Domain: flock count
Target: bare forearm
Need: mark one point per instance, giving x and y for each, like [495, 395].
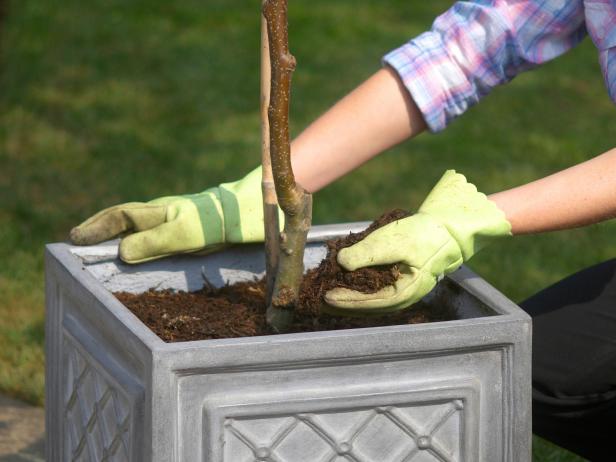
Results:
[578, 196]
[372, 118]
[380, 114]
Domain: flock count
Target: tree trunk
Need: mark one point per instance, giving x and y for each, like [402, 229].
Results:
[270, 201]
[294, 201]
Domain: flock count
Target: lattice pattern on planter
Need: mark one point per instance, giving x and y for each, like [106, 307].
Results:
[415, 433]
[97, 414]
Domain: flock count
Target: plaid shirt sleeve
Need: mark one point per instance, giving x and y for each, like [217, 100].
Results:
[477, 45]
[601, 25]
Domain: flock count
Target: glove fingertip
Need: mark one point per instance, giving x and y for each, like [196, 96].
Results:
[349, 259]
[130, 253]
[342, 297]
[76, 236]
[333, 297]
[83, 235]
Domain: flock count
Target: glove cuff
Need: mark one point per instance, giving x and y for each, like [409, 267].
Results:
[470, 217]
[242, 206]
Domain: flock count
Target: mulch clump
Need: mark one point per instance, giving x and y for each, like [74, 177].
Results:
[238, 310]
[329, 274]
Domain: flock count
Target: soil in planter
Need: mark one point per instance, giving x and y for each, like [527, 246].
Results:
[239, 310]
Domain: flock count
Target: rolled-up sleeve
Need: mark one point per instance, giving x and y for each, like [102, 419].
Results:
[478, 45]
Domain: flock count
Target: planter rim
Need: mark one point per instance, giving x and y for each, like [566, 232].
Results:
[74, 259]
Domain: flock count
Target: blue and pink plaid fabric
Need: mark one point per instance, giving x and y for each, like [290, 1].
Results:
[477, 45]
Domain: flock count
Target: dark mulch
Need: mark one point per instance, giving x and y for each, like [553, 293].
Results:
[239, 310]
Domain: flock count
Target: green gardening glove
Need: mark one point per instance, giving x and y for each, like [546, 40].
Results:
[452, 224]
[229, 213]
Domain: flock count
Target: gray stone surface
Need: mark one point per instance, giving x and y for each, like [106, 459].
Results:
[449, 391]
[22, 431]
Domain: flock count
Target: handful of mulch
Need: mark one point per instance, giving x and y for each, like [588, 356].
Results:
[329, 274]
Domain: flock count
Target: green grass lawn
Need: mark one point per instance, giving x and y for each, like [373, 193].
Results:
[107, 101]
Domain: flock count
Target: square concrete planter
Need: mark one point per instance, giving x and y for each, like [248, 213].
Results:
[447, 391]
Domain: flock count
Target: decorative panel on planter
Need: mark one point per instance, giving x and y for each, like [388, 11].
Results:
[97, 412]
[447, 391]
[384, 433]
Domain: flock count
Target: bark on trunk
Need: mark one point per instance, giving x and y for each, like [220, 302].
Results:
[270, 201]
[294, 201]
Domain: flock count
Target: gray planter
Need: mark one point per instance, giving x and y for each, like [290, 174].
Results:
[447, 391]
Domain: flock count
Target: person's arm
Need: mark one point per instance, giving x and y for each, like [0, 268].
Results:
[470, 49]
[372, 118]
[578, 196]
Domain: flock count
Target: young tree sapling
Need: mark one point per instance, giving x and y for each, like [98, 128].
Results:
[294, 201]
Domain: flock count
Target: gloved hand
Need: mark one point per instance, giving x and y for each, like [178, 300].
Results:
[229, 213]
[452, 224]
